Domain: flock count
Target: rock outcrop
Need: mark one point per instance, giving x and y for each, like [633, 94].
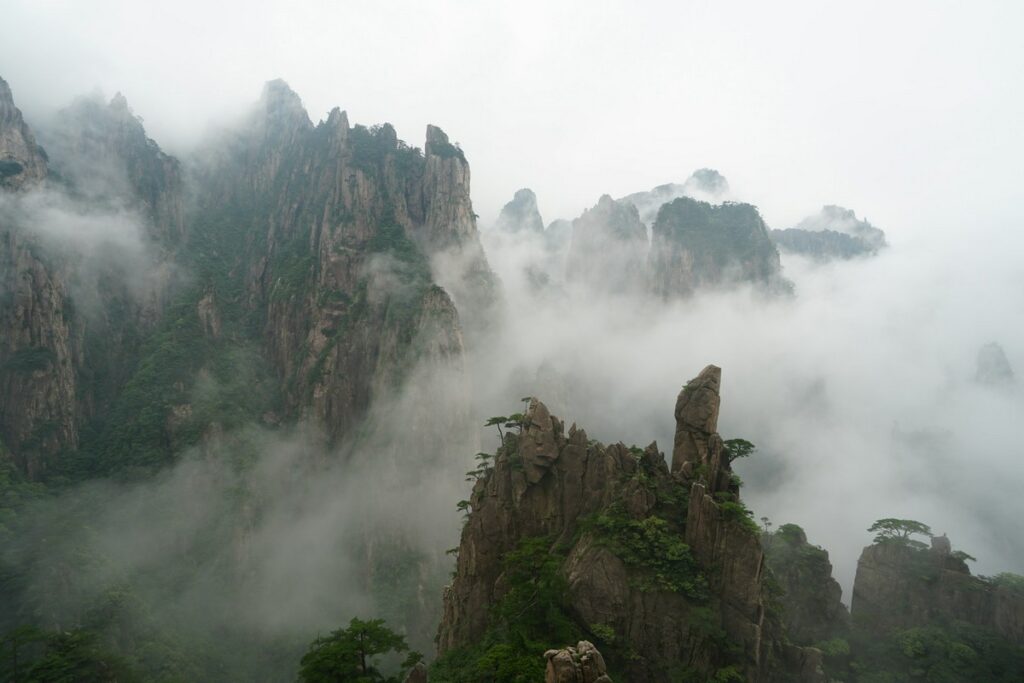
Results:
[101, 149]
[345, 222]
[898, 586]
[608, 249]
[22, 161]
[521, 214]
[580, 664]
[992, 366]
[812, 610]
[75, 316]
[833, 233]
[705, 184]
[668, 559]
[696, 245]
[41, 344]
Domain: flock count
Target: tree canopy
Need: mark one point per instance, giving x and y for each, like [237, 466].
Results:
[892, 530]
[352, 655]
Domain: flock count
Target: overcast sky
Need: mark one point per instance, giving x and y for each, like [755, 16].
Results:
[896, 110]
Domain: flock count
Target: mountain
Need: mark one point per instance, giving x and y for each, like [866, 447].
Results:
[567, 537]
[22, 161]
[992, 367]
[696, 245]
[704, 184]
[832, 233]
[810, 598]
[608, 248]
[306, 253]
[900, 586]
[521, 214]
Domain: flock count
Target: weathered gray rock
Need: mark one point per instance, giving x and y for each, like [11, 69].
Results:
[546, 480]
[899, 587]
[697, 420]
[812, 610]
[22, 161]
[580, 664]
[418, 674]
[696, 245]
[609, 248]
[521, 214]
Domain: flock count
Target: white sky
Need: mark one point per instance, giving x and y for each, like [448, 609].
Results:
[894, 109]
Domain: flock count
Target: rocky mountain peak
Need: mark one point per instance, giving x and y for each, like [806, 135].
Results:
[22, 161]
[281, 107]
[584, 506]
[521, 214]
[609, 246]
[992, 366]
[706, 181]
[696, 415]
[697, 245]
[119, 102]
[832, 233]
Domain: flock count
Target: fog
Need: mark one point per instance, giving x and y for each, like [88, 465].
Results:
[859, 390]
[884, 108]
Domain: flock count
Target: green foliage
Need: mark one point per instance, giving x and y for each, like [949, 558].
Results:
[531, 618]
[738, 513]
[653, 548]
[958, 653]
[9, 167]
[353, 654]
[28, 360]
[28, 654]
[1009, 581]
[446, 150]
[900, 531]
[738, 448]
[835, 647]
[724, 233]
[963, 557]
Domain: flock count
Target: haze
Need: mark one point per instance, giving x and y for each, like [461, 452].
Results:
[859, 390]
[896, 109]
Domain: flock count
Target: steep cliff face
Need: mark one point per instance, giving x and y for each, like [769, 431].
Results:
[40, 348]
[705, 184]
[22, 161]
[900, 587]
[697, 245]
[609, 248]
[75, 300]
[103, 151]
[811, 606]
[832, 233]
[664, 568]
[337, 226]
[521, 214]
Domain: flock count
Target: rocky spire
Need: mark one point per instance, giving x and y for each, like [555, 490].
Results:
[281, 107]
[993, 367]
[697, 442]
[521, 214]
[22, 161]
[546, 480]
[608, 248]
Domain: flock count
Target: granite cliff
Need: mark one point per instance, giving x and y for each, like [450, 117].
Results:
[662, 566]
[696, 245]
[832, 233]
